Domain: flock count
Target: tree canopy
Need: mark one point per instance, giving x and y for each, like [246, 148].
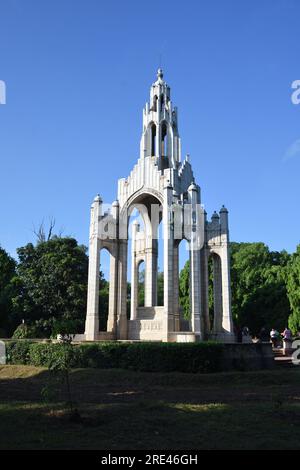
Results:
[293, 290]
[7, 290]
[49, 281]
[258, 286]
[52, 280]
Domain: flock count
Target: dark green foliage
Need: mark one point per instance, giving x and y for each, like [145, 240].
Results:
[103, 302]
[52, 281]
[258, 285]
[54, 356]
[168, 357]
[293, 290]
[25, 331]
[141, 288]
[64, 326]
[48, 289]
[7, 290]
[17, 352]
[211, 291]
[106, 355]
[184, 290]
[160, 288]
[152, 357]
[47, 328]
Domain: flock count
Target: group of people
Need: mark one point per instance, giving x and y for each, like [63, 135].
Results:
[275, 337]
[243, 335]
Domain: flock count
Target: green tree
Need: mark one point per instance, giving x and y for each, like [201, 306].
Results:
[52, 281]
[293, 290]
[184, 290]
[160, 288]
[7, 290]
[258, 286]
[103, 302]
[141, 288]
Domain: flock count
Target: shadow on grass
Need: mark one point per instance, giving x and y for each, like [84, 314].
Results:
[133, 410]
[25, 383]
[151, 424]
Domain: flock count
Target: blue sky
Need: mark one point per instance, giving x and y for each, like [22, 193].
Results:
[78, 75]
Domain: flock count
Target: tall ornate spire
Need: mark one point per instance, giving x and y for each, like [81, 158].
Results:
[160, 138]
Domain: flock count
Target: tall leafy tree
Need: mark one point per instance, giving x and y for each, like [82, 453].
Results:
[184, 290]
[293, 290]
[259, 296]
[141, 288]
[7, 290]
[52, 280]
[258, 286]
[103, 302]
[160, 288]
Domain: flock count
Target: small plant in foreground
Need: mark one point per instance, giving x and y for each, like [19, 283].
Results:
[60, 366]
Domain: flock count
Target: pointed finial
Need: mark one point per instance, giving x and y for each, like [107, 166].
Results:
[98, 198]
[160, 74]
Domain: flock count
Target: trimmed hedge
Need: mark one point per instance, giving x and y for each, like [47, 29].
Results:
[150, 357]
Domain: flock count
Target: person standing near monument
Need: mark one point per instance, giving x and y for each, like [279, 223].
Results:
[274, 335]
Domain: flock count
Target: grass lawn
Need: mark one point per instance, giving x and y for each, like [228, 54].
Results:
[134, 410]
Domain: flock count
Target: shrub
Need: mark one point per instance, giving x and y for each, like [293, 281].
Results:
[150, 357]
[17, 352]
[106, 355]
[25, 331]
[50, 355]
[168, 357]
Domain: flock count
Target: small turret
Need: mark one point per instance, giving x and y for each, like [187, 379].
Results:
[98, 199]
[224, 219]
[215, 217]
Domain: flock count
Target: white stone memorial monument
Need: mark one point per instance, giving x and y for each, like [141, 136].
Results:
[162, 188]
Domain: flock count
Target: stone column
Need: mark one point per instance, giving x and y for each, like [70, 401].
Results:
[113, 273]
[217, 327]
[122, 290]
[176, 287]
[168, 323]
[195, 268]
[227, 322]
[195, 294]
[134, 272]
[204, 292]
[151, 272]
[113, 284]
[92, 315]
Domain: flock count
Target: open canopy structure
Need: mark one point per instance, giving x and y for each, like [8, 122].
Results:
[162, 188]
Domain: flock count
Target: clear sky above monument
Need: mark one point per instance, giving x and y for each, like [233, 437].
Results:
[77, 76]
